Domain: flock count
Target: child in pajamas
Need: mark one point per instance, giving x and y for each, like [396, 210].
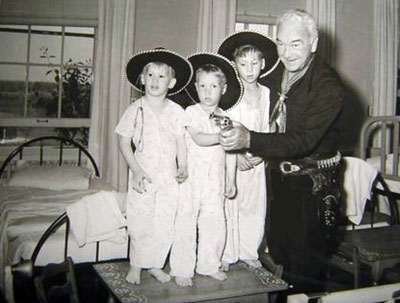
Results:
[253, 55]
[211, 171]
[158, 163]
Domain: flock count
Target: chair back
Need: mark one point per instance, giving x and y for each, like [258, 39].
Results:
[57, 283]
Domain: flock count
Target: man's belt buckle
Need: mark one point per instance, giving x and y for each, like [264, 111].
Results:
[287, 167]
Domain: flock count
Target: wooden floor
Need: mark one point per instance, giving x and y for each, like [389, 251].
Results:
[244, 284]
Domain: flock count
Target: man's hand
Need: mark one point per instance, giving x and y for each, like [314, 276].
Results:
[138, 181]
[236, 138]
[181, 175]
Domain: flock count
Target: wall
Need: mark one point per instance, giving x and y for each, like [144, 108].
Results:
[171, 24]
[354, 53]
[270, 8]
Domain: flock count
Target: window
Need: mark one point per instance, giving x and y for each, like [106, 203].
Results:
[262, 24]
[45, 81]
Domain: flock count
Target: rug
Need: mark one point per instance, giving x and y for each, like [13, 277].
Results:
[243, 282]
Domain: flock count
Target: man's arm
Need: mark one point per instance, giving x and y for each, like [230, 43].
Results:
[303, 137]
[317, 109]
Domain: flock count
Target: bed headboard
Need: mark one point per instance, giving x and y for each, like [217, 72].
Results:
[380, 138]
[60, 151]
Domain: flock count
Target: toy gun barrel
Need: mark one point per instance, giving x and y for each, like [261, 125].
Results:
[223, 122]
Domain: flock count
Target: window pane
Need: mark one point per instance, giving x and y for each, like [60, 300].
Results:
[12, 91]
[46, 47]
[77, 82]
[13, 46]
[78, 49]
[239, 26]
[266, 29]
[80, 135]
[42, 92]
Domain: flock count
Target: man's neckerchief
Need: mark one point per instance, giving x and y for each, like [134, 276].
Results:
[277, 121]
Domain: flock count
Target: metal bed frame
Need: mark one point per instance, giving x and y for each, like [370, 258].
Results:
[17, 153]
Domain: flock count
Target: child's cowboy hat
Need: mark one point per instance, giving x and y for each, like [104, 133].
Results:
[234, 90]
[250, 37]
[183, 68]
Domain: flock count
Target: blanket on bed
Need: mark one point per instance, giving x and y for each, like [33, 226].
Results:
[98, 217]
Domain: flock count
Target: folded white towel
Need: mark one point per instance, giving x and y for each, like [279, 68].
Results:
[98, 217]
[358, 180]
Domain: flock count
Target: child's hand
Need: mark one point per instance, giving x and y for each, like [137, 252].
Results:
[181, 175]
[254, 160]
[243, 162]
[230, 190]
[138, 181]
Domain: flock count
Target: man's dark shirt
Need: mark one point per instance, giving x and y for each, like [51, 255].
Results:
[313, 106]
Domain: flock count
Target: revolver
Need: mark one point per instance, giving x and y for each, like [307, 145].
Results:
[223, 122]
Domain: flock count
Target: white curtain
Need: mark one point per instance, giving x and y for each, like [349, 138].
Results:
[111, 92]
[216, 21]
[385, 56]
[324, 12]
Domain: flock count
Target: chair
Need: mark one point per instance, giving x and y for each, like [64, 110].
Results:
[57, 283]
[375, 247]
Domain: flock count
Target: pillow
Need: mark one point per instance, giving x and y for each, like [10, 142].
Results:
[50, 177]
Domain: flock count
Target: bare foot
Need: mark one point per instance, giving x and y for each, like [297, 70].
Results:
[219, 275]
[160, 275]
[253, 263]
[224, 266]
[133, 275]
[184, 281]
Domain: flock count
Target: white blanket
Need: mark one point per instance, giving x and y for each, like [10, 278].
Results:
[98, 217]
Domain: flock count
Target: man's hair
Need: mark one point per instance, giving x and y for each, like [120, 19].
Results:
[211, 69]
[302, 16]
[243, 50]
[168, 68]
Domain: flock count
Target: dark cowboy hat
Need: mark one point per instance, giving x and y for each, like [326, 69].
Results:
[183, 68]
[266, 46]
[234, 90]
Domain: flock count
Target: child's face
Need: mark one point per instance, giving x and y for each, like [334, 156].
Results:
[249, 67]
[209, 89]
[157, 80]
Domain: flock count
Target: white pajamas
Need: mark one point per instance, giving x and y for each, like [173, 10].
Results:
[246, 212]
[206, 167]
[151, 215]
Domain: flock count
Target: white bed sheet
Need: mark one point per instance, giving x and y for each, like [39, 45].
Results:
[394, 186]
[25, 213]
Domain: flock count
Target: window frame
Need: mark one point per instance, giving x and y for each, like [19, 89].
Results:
[59, 122]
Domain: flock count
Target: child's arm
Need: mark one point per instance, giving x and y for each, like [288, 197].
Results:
[138, 174]
[255, 160]
[181, 159]
[243, 162]
[203, 139]
[230, 178]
